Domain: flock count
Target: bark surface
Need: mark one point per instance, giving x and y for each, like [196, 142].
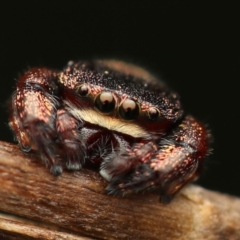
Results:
[36, 205]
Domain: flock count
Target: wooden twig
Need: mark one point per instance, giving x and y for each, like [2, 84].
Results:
[12, 227]
[75, 205]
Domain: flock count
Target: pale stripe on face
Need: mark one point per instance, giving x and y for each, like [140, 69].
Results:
[109, 122]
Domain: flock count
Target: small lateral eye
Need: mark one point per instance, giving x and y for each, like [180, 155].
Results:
[129, 110]
[105, 102]
[83, 90]
[153, 113]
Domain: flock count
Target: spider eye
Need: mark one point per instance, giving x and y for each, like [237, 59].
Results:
[83, 90]
[129, 110]
[153, 113]
[105, 102]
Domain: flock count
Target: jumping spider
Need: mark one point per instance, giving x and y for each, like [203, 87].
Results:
[112, 114]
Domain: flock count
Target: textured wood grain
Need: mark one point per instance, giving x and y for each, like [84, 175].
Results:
[12, 227]
[75, 204]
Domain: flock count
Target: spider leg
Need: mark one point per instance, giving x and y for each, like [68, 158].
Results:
[69, 136]
[120, 162]
[34, 108]
[177, 161]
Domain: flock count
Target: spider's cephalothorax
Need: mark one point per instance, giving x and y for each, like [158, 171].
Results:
[112, 114]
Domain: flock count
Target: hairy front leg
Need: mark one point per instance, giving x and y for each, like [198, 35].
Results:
[70, 140]
[33, 115]
[119, 163]
[177, 161]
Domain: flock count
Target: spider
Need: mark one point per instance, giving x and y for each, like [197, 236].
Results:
[113, 115]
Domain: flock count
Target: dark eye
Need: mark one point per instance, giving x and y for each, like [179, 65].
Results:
[129, 110]
[83, 90]
[105, 102]
[153, 113]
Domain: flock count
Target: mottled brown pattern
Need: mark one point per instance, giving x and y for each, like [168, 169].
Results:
[113, 115]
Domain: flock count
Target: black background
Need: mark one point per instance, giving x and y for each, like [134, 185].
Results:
[194, 47]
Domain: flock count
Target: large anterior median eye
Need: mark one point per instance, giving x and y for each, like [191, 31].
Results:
[105, 102]
[129, 110]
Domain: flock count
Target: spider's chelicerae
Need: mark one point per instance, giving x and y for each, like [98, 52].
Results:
[113, 115]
